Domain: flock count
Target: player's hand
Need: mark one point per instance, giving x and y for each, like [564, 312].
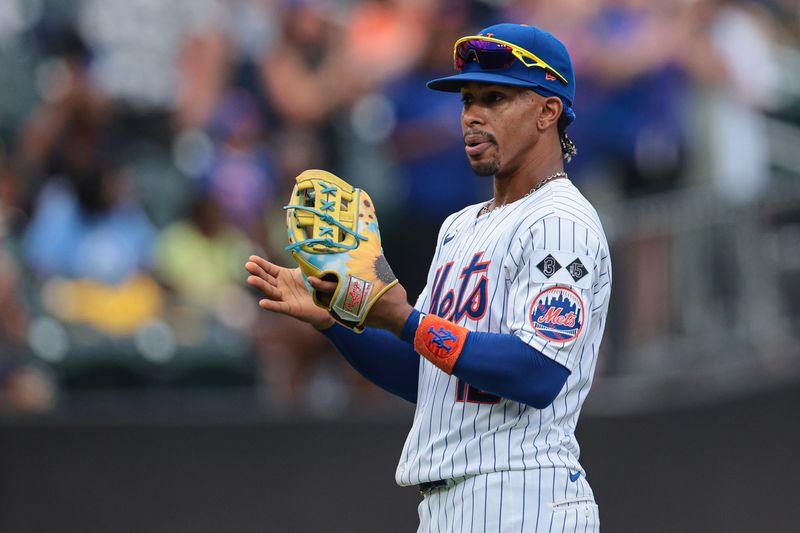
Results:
[390, 312]
[285, 292]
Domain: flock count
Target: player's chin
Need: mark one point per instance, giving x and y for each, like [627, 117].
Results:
[485, 168]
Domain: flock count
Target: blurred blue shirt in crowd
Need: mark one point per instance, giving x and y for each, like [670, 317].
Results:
[65, 239]
[436, 178]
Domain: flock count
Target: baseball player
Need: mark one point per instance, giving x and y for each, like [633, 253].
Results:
[499, 351]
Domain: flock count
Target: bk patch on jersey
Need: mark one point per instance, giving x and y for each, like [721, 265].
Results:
[557, 314]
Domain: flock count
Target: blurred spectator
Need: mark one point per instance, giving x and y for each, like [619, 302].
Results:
[242, 178]
[631, 90]
[201, 257]
[162, 66]
[383, 42]
[306, 77]
[741, 44]
[386, 39]
[156, 57]
[89, 229]
[89, 225]
[436, 179]
[66, 133]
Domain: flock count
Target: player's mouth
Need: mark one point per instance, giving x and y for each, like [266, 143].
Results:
[476, 144]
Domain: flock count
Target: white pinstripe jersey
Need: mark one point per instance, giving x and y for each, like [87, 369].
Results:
[538, 268]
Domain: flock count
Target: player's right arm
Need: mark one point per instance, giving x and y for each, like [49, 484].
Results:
[378, 355]
[381, 357]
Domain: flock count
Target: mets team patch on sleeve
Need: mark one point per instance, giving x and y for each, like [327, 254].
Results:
[557, 314]
[563, 268]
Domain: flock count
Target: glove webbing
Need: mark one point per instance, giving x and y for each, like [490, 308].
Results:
[325, 217]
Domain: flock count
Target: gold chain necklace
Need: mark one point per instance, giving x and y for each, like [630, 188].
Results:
[558, 175]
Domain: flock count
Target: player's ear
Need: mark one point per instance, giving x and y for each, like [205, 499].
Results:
[550, 111]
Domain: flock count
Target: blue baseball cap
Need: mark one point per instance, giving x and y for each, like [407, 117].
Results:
[538, 42]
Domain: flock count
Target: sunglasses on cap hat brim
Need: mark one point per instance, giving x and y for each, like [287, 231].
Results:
[496, 54]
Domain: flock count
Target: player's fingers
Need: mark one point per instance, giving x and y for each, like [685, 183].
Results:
[322, 285]
[270, 268]
[266, 288]
[256, 270]
[277, 307]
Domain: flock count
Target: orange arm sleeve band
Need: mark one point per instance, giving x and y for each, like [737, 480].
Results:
[440, 341]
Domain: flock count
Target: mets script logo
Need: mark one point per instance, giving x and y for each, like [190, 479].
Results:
[557, 314]
[454, 307]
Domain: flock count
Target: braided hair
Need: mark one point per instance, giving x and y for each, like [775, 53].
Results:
[567, 146]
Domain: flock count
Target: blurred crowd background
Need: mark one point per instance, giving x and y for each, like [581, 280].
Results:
[147, 146]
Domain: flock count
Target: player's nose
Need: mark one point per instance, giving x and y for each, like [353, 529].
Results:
[472, 116]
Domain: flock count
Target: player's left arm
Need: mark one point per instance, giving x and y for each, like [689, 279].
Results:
[498, 363]
[558, 295]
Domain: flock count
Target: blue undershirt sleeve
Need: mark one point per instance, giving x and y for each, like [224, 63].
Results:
[504, 365]
[380, 357]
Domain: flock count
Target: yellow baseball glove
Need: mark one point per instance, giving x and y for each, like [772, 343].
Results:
[333, 235]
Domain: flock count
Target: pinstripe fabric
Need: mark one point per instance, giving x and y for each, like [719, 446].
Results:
[497, 503]
[487, 275]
